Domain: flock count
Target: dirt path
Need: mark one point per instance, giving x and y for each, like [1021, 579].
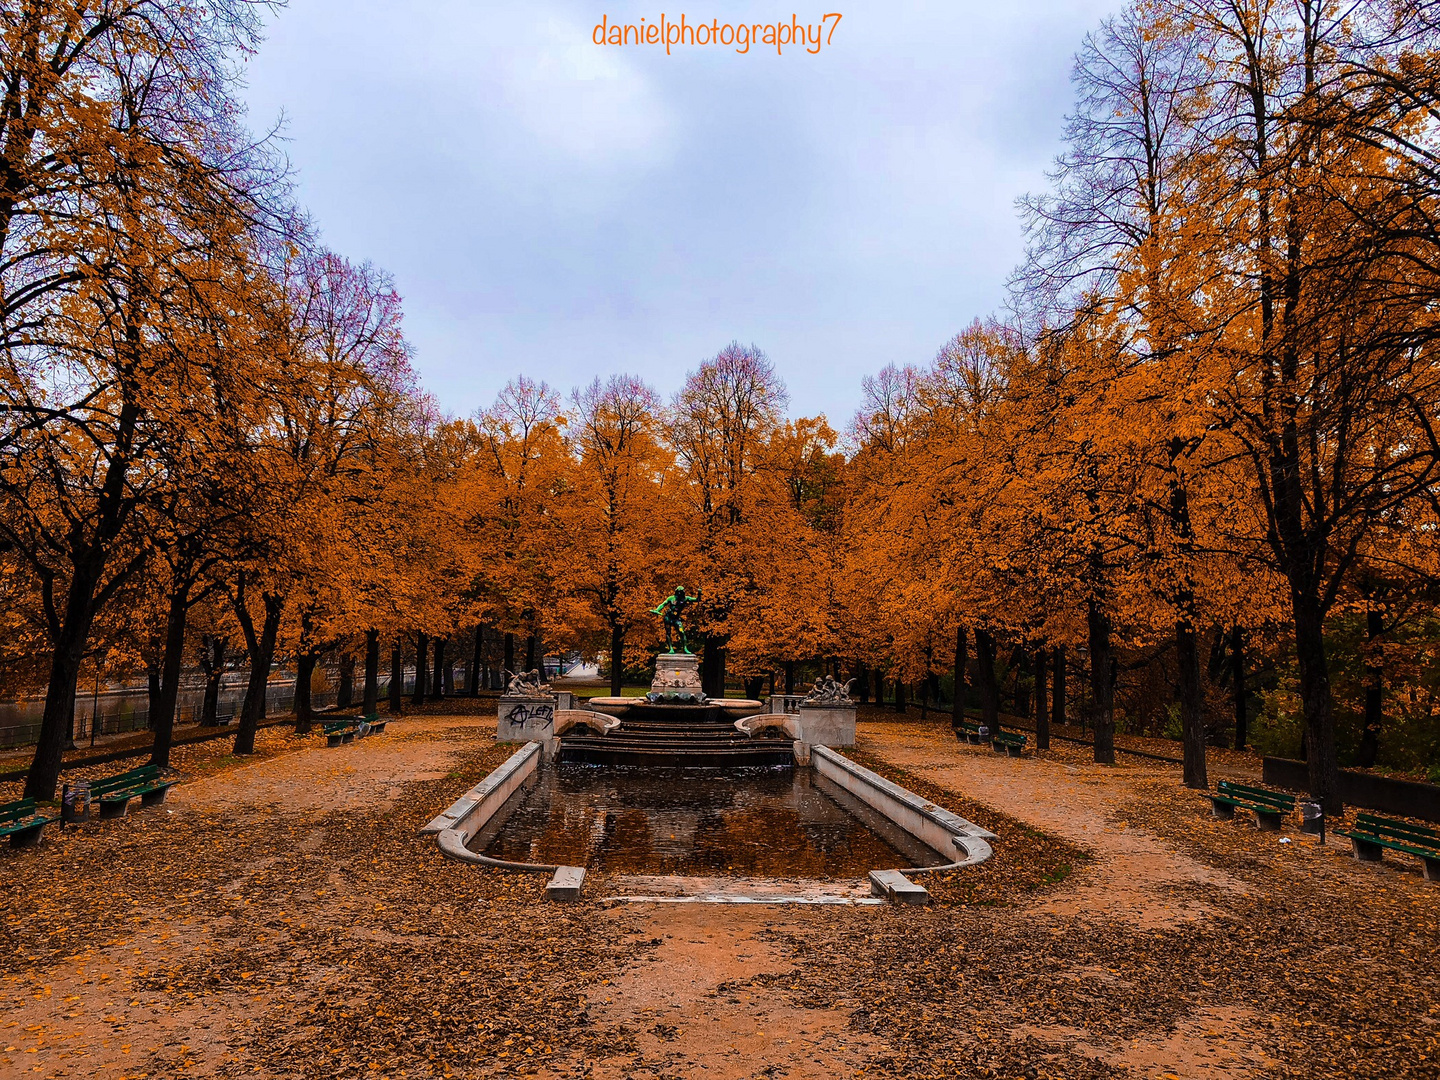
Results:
[700, 1003]
[97, 1015]
[368, 775]
[1134, 874]
[281, 918]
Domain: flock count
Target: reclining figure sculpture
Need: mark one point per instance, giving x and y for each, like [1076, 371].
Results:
[829, 691]
[525, 684]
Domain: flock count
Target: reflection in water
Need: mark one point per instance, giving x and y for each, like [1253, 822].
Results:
[779, 822]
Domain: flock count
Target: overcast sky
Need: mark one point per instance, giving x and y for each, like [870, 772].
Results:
[562, 210]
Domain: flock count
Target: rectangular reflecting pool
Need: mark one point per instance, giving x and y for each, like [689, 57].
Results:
[781, 822]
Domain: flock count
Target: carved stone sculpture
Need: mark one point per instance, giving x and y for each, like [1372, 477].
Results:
[525, 684]
[829, 691]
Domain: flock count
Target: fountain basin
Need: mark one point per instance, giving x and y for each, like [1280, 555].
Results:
[752, 823]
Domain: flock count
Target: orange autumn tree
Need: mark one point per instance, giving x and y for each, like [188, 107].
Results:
[796, 611]
[618, 516]
[518, 474]
[338, 368]
[742, 528]
[125, 249]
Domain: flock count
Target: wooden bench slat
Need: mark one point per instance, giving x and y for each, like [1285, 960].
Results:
[1364, 821]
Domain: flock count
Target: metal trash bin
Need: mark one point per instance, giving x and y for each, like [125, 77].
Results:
[75, 802]
[1312, 819]
[984, 733]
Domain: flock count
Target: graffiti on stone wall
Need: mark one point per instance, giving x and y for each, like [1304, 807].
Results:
[526, 713]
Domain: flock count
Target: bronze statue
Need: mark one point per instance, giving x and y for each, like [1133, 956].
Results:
[670, 610]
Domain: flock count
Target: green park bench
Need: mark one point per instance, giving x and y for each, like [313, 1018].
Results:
[22, 823]
[969, 732]
[339, 731]
[1372, 834]
[1009, 743]
[115, 792]
[1269, 807]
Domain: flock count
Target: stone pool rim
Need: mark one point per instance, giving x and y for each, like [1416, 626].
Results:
[932, 825]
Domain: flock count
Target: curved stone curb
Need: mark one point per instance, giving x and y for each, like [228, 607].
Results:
[933, 825]
[599, 723]
[452, 844]
[753, 725]
[468, 814]
[472, 810]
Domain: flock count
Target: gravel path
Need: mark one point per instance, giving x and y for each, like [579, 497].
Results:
[280, 917]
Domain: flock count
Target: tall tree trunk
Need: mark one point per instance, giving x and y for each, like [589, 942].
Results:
[617, 659]
[1042, 707]
[84, 596]
[472, 687]
[1374, 687]
[371, 703]
[530, 662]
[1187, 648]
[438, 685]
[789, 676]
[899, 695]
[262, 656]
[510, 653]
[1057, 702]
[58, 720]
[989, 689]
[1102, 686]
[879, 688]
[962, 662]
[212, 662]
[345, 696]
[1237, 677]
[422, 671]
[1192, 720]
[397, 677]
[712, 665]
[1021, 661]
[152, 692]
[304, 675]
[862, 680]
[170, 666]
[1320, 753]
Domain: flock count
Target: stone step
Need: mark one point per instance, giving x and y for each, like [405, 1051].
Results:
[608, 752]
[565, 884]
[894, 885]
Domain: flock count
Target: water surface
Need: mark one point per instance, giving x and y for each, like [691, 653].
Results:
[779, 822]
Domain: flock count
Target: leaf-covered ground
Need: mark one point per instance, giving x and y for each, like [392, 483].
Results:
[280, 917]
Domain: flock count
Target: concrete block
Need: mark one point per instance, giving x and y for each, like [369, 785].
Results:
[893, 885]
[524, 719]
[565, 885]
[827, 725]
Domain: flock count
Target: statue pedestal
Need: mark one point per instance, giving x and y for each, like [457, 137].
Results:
[677, 677]
[525, 719]
[827, 725]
